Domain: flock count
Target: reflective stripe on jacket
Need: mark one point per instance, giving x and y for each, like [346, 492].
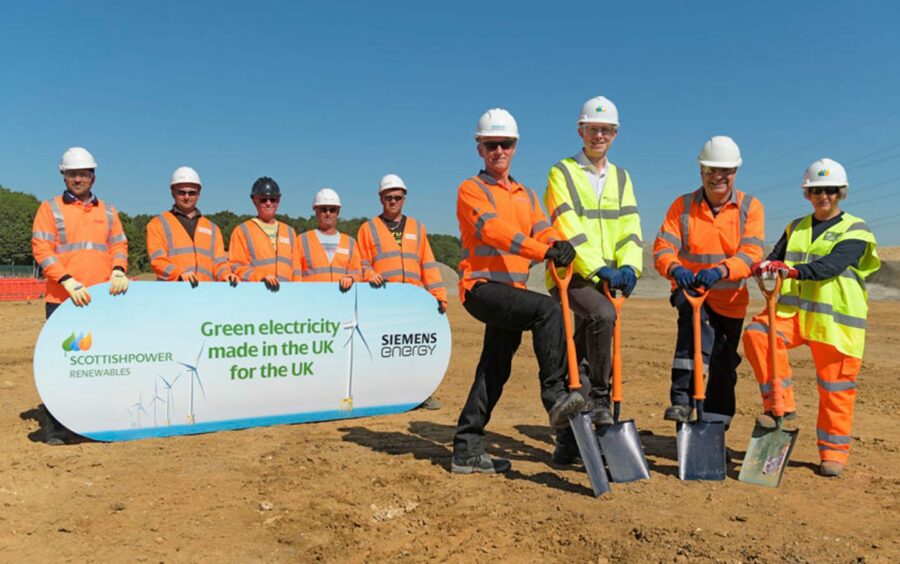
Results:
[411, 262]
[831, 311]
[252, 255]
[692, 237]
[172, 252]
[605, 232]
[316, 267]
[83, 240]
[503, 230]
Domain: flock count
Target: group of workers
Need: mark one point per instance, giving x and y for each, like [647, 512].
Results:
[711, 241]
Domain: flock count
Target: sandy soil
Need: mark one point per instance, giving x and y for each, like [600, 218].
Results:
[379, 489]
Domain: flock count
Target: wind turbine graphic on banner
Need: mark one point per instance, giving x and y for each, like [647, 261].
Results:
[136, 409]
[353, 326]
[155, 400]
[170, 398]
[195, 375]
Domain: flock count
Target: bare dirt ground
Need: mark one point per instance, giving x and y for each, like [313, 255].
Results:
[379, 489]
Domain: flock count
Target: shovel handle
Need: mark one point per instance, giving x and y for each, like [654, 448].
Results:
[697, 303]
[562, 282]
[617, 302]
[771, 300]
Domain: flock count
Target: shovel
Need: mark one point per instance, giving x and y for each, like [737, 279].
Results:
[769, 450]
[620, 442]
[581, 423]
[701, 444]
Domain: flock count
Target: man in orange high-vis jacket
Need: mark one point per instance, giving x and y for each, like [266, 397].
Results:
[183, 244]
[710, 238]
[78, 241]
[326, 254]
[263, 249]
[503, 230]
[395, 248]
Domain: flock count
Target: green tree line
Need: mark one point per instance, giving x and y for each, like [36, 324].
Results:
[17, 211]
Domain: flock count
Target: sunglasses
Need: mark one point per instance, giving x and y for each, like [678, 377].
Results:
[328, 209]
[506, 144]
[393, 198]
[718, 170]
[829, 190]
[266, 199]
[190, 193]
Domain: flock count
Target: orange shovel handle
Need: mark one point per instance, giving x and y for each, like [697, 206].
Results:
[771, 300]
[571, 359]
[697, 303]
[617, 302]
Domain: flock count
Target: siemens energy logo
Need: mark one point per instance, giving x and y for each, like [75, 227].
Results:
[401, 345]
[77, 344]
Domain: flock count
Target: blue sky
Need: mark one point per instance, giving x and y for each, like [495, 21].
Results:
[338, 94]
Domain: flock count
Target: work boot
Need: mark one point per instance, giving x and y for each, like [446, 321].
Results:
[430, 404]
[678, 412]
[602, 416]
[483, 464]
[831, 468]
[55, 437]
[567, 404]
[566, 452]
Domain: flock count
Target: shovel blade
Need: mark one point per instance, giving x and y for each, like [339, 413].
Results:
[701, 450]
[624, 454]
[767, 456]
[589, 448]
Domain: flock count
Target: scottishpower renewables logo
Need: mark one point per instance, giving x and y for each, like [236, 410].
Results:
[77, 344]
[824, 172]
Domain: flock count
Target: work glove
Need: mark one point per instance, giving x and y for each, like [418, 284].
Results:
[707, 277]
[271, 282]
[629, 280]
[562, 253]
[612, 276]
[442, 307]
[232, 279]
[376, 281]
[77, 291]
[118, 283]
[767, 269]
[683, 277]
[191, 278]
[345, 283]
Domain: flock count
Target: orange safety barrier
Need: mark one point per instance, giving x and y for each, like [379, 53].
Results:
[19, 289]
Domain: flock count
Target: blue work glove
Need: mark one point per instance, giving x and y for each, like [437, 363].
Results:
[683, 277]
[612, 276]
[707, 277]
[629, 280]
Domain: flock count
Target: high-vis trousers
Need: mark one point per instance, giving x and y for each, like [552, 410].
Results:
[719, 338]
[835, 375]
[507, 312]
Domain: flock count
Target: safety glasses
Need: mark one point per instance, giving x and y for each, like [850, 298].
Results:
[828, 190]
[393, 198]
[506, 144]
[594, 130]
[82, 173]
[189, 193]
[267, 199]
[328, 209]
[714, 170]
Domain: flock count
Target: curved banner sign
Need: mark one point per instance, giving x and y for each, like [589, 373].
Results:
[165, 359]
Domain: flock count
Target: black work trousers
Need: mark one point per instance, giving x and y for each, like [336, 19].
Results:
[595, 318]
[719, 336]
[506, 312]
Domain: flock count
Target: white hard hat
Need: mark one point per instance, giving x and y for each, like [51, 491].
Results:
[326, 197]
[391, 182]
[77, 158]
[497, 122]
[720, 151]
[825, 172]
[185, 175]
[599, 110]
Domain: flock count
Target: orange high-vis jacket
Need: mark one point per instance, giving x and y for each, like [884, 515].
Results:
[314, 263]
[252, 256]
[83, 240]
[411, 262]
[172, 252]
[503, 231]
[692, 237]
